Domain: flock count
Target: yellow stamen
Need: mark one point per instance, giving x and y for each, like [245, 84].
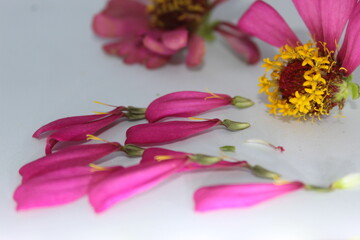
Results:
[213, 95]
[163, 157]
[100, 113]
[201, 119]
[105, 104]
[97, 167]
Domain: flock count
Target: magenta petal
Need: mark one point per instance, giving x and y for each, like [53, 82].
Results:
[166, 132]
[191, 166]
[156, 46]
[126, 8]
[184, 104]
[156, 61]
[264, 22]
[349, 53]
[244, 47]
[53, 188]
[150, 154]
[107, 26]
[196, 51]
[78, 132]
[175, 39]
[240, 195]
[126, 183]
[65, 122]
[69, 157]
[335, 15]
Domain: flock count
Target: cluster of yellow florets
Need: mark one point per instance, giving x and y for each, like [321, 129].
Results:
[312, 99]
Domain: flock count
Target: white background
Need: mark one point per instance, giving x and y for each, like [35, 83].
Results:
[52, 66]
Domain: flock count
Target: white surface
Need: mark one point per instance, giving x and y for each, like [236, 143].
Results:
[52, 66]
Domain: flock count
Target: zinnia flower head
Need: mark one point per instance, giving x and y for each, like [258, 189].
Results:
[308, 79]
[151, 34]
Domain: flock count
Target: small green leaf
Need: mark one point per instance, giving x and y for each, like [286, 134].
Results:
[204, 159]
[228, 148]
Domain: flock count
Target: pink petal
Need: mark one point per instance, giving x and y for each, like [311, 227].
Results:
[166, 132]
[349, 53]
[126, 183]
[107, 26]
[196, 51]
[325, 19]
[175, 39]
[150, 154]
[126, 8]
[156, 46]
[53, 188]
[244, 47]
[240, 195]
[264, 22]
[132, 50]
[78, 132]
[65, 122]
[184, 104]
[192, 166]
[80, 155]
[121, 18]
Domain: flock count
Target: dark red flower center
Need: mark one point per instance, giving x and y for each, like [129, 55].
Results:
[172, 14]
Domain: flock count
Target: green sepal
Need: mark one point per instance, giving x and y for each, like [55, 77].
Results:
[317, 188]
[235, 126]
[228, 148]
[136, 110]
[204, 159]
[354, 90]
[132, 150]
[264, 173]
[241, 102]
[134, 117]
[206, 29]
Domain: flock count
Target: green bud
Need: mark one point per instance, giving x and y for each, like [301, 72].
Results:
[349, 181]
[241, 102]
[235, 126]
[132, 150]
[132, 116]
[204, 159]
[136, 110]
[264, 173]
[228, 148]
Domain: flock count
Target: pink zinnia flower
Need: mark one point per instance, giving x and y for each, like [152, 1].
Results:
[240, 195]
[152, 34]
[308, 80]
[167, 132]
[190, 103]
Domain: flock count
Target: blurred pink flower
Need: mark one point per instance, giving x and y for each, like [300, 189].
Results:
[152, 34]
[190, 103]
[240, 195]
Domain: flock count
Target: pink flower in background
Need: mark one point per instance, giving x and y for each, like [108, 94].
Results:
[240, 195]
[152, 34]
[190, 103]
[57, 187]
[77, 128]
